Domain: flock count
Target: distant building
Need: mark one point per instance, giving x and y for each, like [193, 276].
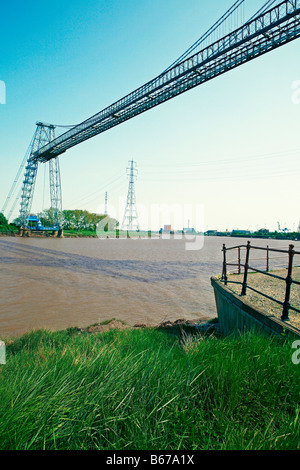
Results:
[189, 230]
[167, 228]
[211, 232]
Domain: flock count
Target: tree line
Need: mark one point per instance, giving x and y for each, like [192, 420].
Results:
[75, 219]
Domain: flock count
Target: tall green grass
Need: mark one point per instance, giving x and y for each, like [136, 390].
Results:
[142, 389]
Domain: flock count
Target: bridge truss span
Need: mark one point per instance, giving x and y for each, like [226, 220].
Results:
[268, 31]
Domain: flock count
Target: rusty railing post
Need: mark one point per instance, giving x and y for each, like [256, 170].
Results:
[267, 258]
[286, 303]
[224, 273]
[239, 260]
[246, 269]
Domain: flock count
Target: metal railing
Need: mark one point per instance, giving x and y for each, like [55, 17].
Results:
[289, 281]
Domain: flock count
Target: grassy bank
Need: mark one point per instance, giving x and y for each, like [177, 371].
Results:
[144, 389]
[108, 234]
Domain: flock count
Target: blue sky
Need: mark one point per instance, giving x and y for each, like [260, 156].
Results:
[229, 148]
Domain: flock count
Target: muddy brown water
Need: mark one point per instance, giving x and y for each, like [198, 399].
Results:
[58, 283]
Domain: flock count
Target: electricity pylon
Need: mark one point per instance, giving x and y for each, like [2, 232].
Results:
[130, 219]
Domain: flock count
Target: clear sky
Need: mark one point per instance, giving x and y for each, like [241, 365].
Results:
[228, 149]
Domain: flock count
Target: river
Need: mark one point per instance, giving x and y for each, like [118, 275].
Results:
[58, 283]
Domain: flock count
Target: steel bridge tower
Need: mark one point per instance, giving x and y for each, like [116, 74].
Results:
[55, 191]
[130, 219]
[44, 134]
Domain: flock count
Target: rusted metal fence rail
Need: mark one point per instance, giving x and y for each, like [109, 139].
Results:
[289, 281]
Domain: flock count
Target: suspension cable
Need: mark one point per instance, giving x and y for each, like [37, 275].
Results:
[208, 33]
[218, 24]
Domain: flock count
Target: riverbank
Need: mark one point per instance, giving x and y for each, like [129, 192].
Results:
[81, 234]
[272, 287]
[293, 236]
[142, 388]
